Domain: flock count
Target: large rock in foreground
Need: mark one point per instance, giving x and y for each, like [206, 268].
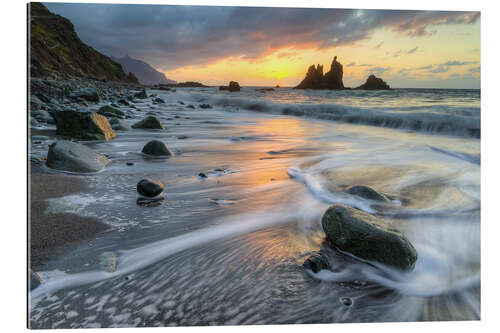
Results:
[83, 125]
[156, 148]
[374, 83]
[149, 122]
[74, 157]
[367, 237]
[233, 86]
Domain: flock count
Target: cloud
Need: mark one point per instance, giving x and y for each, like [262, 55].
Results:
[439, 70]
[456, 63]
[351, 64]
[378, 70]
[170, 37]
[401, 52]
[379, 45]
[365, 65]
[426, 67]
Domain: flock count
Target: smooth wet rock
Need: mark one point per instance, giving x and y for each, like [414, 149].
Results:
[35, 280]
[156, 148]
[202, 175]
[149, 187]
[88, 94]
[205, 106]
[119, 124]
[74, 157]
[123, 102]
[316, 263]
[141, 95]
[149, 122]
[374, 83]
[366, 192]
[33, 122]
[346, 301]
[232, 87]
[158, 100]
[109, 111]
[83, 125]
[367, 237]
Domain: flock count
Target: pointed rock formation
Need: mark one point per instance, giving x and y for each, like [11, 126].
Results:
[316, 80]
[374, 83]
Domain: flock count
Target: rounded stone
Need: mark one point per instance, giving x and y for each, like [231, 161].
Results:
[346, 301]
[149, 187]
[367, 237]
[316, 263]
[366, 192]
[156, 148]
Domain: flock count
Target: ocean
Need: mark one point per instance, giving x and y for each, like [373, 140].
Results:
[228, 249]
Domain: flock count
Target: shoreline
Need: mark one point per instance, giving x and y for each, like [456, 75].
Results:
[53, 235]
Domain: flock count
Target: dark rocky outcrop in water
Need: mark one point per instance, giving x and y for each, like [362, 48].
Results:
[366, 192]
[57, 52]
[141, 94]
[144, 72]
[316, 263]
[156, 148]
[149, 122]
[367, 237]
[374, 83]
[83, 125]
[74, 157]
[316, 80]
[232, 87]
[149, 187]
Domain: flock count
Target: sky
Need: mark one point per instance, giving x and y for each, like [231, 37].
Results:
[259, 46]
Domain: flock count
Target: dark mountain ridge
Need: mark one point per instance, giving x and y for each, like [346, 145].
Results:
[56, 51]
[144, 72]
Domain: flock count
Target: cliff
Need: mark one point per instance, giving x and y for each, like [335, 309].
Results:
[144, 72]
[56, 51]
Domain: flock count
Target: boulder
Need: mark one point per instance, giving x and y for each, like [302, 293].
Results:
[366, 192]
[233, 86]
[88, 94]
[316, 263]
[367, 237]
[35, 280]
[123, 102]
[158, 100]
[149, 187]
[316, 80]
[374, 83]
[42, 116]
[119, 124]
[74, 157]
[109, 111]
[156, 148]
[149, 123]
[205, 106]
[141, 94]
[84, 125]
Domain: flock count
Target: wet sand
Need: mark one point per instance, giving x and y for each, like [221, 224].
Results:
[52, 235]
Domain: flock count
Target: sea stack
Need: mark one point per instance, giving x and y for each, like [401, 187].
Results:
[374, 83]
[316, 80]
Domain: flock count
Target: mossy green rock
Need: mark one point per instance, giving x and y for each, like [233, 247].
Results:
[367, 237]
[83, 125]
[149, 123]
[366, 192]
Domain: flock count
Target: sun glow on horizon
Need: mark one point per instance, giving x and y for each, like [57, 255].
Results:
[402, 61]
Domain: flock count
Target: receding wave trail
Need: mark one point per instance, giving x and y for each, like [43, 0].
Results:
[132, 260]
[437, 119]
